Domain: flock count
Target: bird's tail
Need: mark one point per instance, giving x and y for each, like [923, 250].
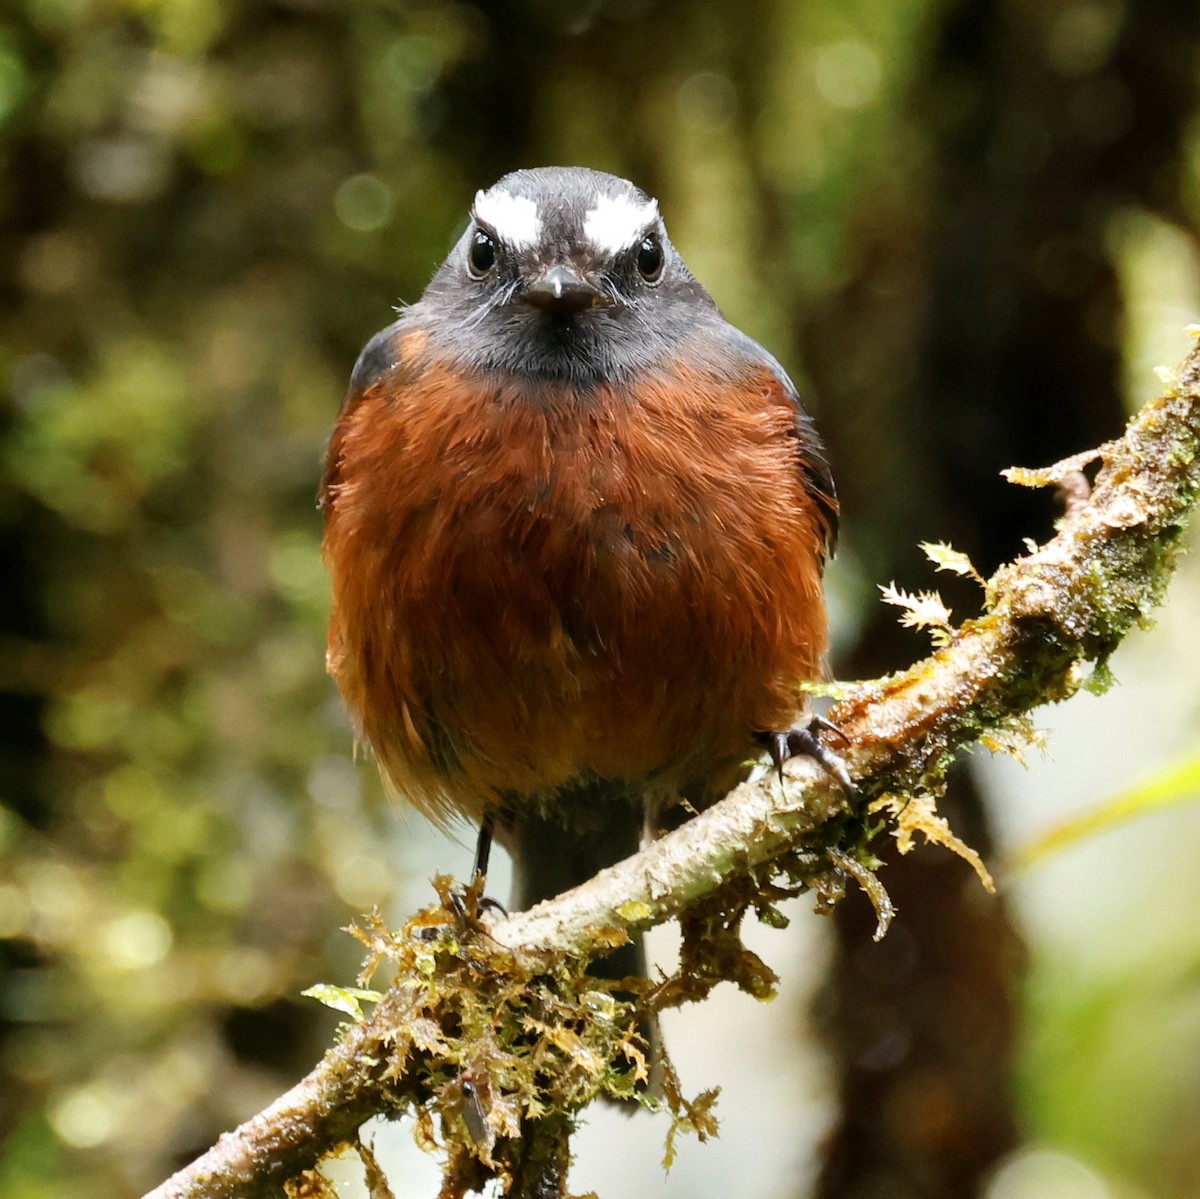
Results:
[564, 843]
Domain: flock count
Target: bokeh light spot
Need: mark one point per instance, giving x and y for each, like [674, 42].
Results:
[122, 169]
[414, 63]
[137, 940]
[848, 74]
[1081, 36]
[361, 880]
[706, 101]
[1037, 1173]
[364, 203]
[86, 1117]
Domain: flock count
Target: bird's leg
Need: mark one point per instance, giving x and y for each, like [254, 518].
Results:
[471, 899]
[467, 902]
[806, 740]
[483, 847]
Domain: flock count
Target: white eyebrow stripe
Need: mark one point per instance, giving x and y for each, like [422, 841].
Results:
[514, 219]
[617, 222]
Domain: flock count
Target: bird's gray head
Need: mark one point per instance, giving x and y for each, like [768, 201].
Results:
[564, 272]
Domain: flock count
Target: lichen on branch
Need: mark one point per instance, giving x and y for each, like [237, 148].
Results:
[1051, 620]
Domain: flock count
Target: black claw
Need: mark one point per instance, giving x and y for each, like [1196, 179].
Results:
[777, 746]
[805, 740]
[469, 903]
[827, 726]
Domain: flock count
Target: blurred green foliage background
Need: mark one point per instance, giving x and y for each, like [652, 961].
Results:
[967, 226]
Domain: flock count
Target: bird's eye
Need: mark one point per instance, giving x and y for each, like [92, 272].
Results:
[650, 259]
[481, 256]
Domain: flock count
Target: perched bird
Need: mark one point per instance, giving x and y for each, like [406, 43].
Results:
[576, 524]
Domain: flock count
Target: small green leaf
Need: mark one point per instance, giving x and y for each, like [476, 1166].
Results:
[925, 610]
[771, 916]
[1049, 476]
[342, 999]
[634, 910]
[601, 1004]
[946, 557]
[1100, 680]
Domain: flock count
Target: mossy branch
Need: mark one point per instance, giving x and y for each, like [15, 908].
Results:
[1052, 619]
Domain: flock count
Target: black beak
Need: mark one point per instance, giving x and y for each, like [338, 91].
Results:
[561, 289]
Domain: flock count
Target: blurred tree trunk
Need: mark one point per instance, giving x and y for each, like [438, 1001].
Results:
[1039, 131]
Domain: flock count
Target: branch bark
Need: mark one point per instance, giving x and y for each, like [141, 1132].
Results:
[1048, 615]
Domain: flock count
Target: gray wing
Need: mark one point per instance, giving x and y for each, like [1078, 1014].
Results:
[814, 461]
